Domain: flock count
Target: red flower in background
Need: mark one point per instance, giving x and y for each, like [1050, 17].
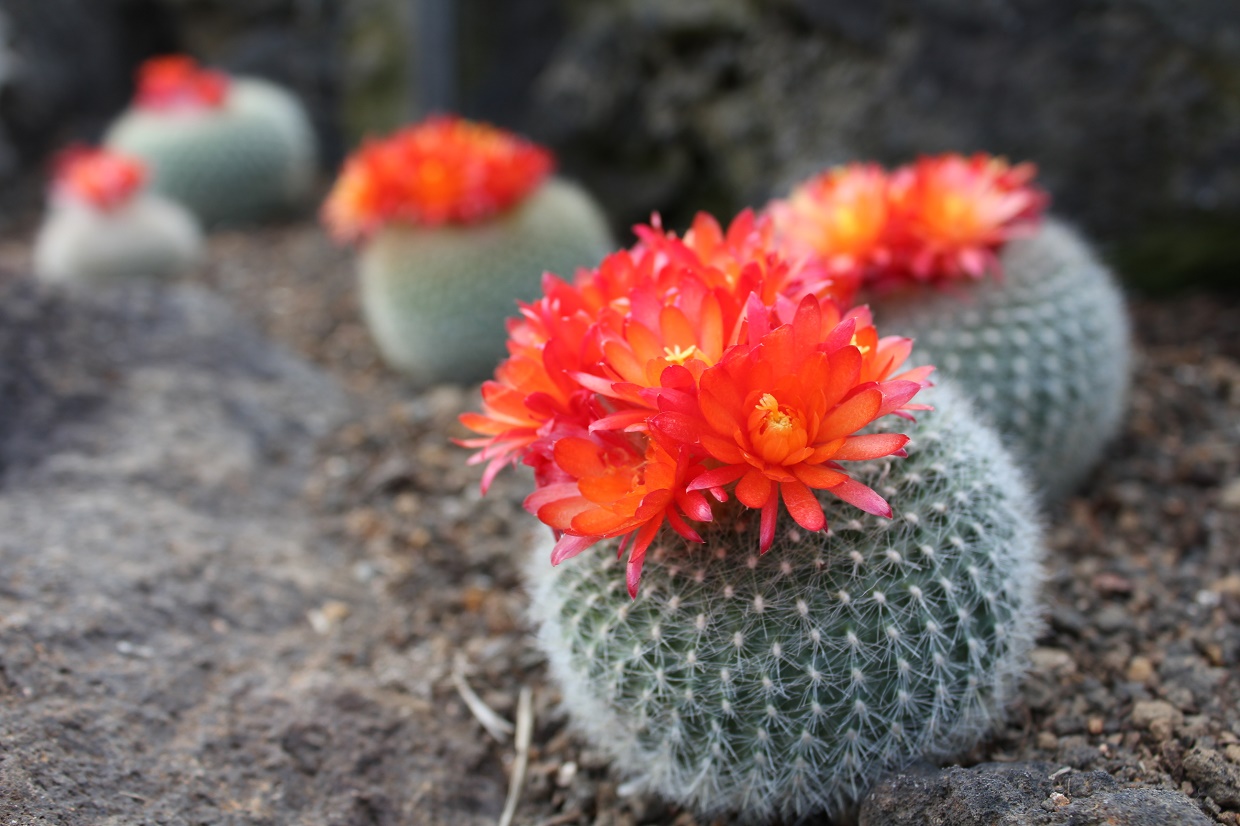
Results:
[952, 214]
[841, 216]
[934, 221]
[98, 177]
[445, 170]
[178, 83]
[667, 372]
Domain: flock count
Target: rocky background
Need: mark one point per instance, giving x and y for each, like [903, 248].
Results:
[244, 574]
[1130, 109]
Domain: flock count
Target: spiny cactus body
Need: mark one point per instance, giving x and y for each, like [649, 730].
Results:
[148, 238]
[1044, 350]
[758, 686]
[436, 298]
[250, 159]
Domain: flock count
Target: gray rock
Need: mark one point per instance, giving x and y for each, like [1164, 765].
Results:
[179, 643]
[1021, 794]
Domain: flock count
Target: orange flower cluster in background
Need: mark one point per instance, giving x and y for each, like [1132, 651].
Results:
[682, 373]
[444, 170]
[178, 83]
[98, 177]
[931, 222]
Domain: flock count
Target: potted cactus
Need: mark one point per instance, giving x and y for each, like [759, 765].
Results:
[233, 150]
[103, 225]
[456, 221]
[773, 586]
[953, 251]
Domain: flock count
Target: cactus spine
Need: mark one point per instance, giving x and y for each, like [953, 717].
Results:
[785, 684]
[436, 298]
[252, 159]
[1044, 351]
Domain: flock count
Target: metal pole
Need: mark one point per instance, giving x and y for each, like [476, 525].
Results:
[435, 56]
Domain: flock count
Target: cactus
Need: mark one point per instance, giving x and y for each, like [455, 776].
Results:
[102, 226]
[150, 238]
[1044, 351]
[785, 684]
[435, 299]
[457, 222]
[249, 158]
[955, 254]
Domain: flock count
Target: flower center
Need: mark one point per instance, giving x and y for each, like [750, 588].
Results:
[675, 355]
[776, 430]
[863, 348]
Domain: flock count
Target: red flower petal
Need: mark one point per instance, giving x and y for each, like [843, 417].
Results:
[803, 506]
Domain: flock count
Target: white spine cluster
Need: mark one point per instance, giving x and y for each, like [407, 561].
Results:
[1044, 352]
[252, 159]
[785, 684]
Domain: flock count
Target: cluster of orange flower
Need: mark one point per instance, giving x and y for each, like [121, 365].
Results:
[686, 371]
[443, 170]
[932, 221]
[178, 82]
[100, 178]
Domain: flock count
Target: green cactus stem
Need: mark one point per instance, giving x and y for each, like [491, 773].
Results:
[436, 298]
[251, 160]
[148, 238]
[754, 687]
[1043, 351]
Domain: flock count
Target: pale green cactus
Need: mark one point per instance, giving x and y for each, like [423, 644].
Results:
[436, 298]
[754, 686]
[148, 238]
[252, 159]
[1044, 351]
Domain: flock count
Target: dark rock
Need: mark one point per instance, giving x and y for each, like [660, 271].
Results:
[65, 70]
[1117, 102]
[181, 643]
[1021, 794]
[1214, 776]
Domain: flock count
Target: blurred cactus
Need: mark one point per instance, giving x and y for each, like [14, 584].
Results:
[1044, 351]
[247, 157]
[102, 226]
[457, 222]
[436, 299]
[785, 684]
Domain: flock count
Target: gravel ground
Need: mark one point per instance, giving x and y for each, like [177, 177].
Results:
[1137, 674]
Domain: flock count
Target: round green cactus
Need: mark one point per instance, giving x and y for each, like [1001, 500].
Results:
[148, 238]
[251, 159]
[435, 298]
[785, 684]
[1043, 350]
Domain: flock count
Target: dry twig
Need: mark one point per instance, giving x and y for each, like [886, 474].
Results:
[525, 732]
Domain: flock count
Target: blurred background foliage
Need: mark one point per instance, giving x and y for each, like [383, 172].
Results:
[1131, 108]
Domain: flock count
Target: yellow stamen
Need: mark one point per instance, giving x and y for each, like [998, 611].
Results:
[864, 348]
[675, 355]
[775, 418]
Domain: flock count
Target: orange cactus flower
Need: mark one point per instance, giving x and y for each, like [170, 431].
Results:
[951, 214]
[100, 178]
[666, 373]
[615, 488]
[841, 216]
[778, 415]
[177, 82]
[443, 170]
